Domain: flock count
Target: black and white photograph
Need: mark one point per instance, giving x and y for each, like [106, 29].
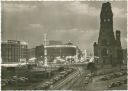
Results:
[64, 45]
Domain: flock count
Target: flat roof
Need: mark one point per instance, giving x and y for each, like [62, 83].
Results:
[13, 64]
[60, 46]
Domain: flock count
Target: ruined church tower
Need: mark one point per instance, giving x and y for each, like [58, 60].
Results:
[106, 35]
[106, 47]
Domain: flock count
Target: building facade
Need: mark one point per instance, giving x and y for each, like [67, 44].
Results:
[125, 56]
[54, 42]
[13, 51]
[39, 51]
[31, 53]
[108, 48]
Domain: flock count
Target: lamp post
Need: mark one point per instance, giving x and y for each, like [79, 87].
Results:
[45, 50]
[77, 51]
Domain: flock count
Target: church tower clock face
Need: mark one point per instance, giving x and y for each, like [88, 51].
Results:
[106, 25]
[108, 20]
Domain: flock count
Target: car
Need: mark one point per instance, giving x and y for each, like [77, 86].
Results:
[53, 81]
[88, 75]
[112, 85]
[3, 84]
[125, 81]
[56, 78]
[86, 81]
[104, 78]
[42, 87]
[124, 72]
[121, 74]
[4, 81]
[22, 79]
[12, 81]
[102, 73]
[118, 83]
[87, 78]
[65, 73]
[113, 76]
[48, 82]
[61, 76]
[109, 77]
[117, 75]
[14, 77]
[45, 86]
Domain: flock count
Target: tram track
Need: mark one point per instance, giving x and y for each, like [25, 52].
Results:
[62, 83]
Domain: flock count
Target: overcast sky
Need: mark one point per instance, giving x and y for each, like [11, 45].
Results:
[75, 21]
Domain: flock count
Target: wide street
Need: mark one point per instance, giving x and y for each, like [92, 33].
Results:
[78, 79]
[79, 82]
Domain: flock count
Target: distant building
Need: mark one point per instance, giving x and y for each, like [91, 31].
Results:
[125, 56]
[39, 51]
[108, 48]
[13, 51]
[54, 42]
[31, 53]
[62, 51]
[23, 51]
[55, 50]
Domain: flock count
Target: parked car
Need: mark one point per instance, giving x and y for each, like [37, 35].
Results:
[86, 81]
[125, 81]
[53, 81]
[104, 78]
[56, 78]
[112, 85]
[88, 75]
[14, 77]
[61, 76]
[22, 79]
[12, 81]
[45, 86]
[42, 87]
[4, 82]
[118, 83]
[64, 73]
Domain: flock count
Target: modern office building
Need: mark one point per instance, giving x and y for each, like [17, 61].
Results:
[13, 51]
[31, 53]
[39, 51]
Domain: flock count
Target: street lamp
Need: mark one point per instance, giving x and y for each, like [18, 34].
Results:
[45, 50]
